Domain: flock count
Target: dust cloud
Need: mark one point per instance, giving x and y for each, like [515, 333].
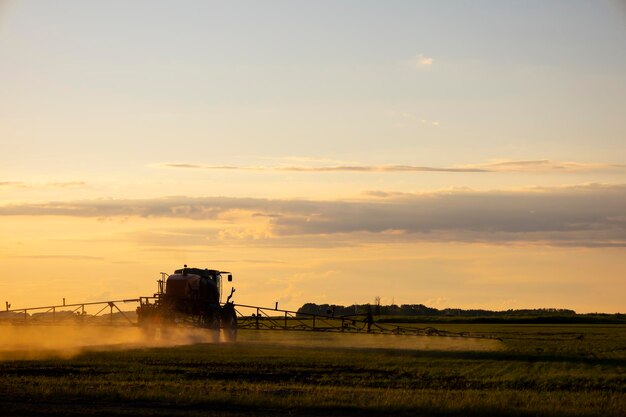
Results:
[31, 342]
[25, 342]
[369, 341]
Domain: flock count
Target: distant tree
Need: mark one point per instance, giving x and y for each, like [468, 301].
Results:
[377, 305]
[422, 310]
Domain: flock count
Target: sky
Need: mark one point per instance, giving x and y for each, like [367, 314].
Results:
[447, 153]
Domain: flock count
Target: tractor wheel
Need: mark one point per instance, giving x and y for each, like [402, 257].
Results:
[229, 324]
[211, 322]
[215, 331]
[149, 331]
[167, 326]
[148, 321]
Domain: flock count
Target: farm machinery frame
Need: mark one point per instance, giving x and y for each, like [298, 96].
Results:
[192, 297]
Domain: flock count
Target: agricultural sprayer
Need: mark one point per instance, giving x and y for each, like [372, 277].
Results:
[192, 297]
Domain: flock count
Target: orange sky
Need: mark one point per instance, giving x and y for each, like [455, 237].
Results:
[323, 152]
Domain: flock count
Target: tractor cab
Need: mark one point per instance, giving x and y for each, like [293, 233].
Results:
[195, 284]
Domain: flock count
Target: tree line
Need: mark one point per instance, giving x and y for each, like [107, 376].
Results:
[422, 310]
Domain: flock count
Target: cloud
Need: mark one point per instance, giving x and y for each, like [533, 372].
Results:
[497, 166]
[482, 213]
[405, 117]
[543, 165]
[422, 60]
[588, 215]
[174, 207]
[337, 168]
[62, 257]
[46, 185]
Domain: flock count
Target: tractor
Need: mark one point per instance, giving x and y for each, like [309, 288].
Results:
[192, 297]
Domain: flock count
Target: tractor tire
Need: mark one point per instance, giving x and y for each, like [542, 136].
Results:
[215, 333]
[149, 331]
[211, 322]
[230, 327]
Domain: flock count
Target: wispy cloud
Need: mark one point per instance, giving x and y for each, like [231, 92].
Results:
[543, 165]
[44, 185]
[336, 168]
[589, 215]
[497, 166]
[61, 257]
[404, 119]
[422, 60]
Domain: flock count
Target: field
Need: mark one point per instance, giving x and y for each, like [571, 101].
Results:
[558, 370]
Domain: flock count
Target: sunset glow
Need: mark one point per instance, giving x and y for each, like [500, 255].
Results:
[454, 154]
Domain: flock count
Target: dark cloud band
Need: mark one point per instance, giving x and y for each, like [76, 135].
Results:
[591, 215]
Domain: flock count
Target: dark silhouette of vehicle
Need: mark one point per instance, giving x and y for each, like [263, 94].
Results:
[191, 297]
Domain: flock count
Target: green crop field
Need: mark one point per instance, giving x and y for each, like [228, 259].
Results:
[559, 370]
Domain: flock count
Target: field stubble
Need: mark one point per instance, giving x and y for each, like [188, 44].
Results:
[535, 370]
